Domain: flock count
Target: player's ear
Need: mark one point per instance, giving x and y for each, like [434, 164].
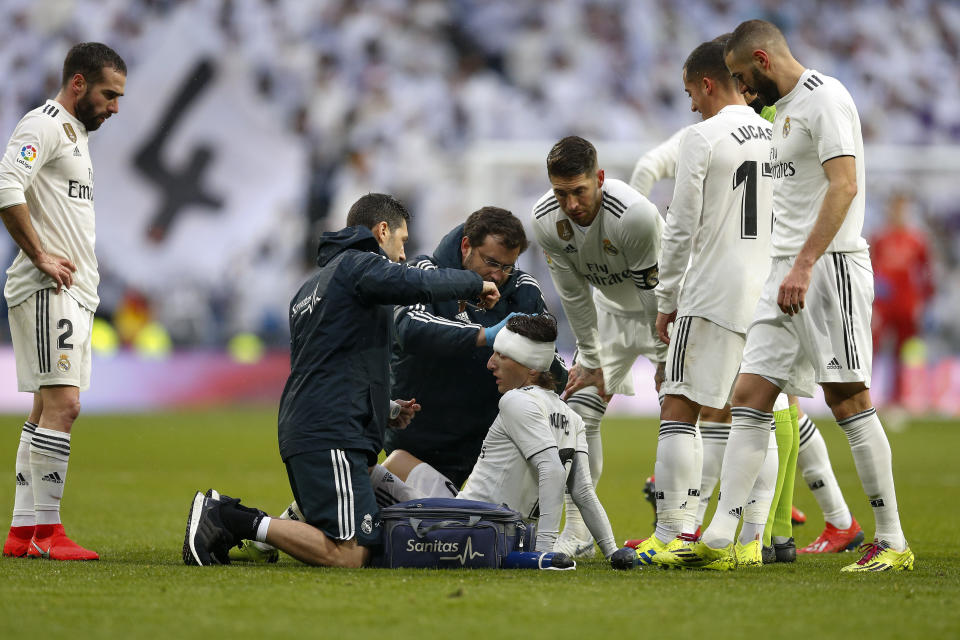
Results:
[380, 231]
[761, 59]
[707, 85]
[599, 177]
[464, 247]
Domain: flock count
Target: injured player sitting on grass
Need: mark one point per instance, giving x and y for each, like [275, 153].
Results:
[535, 448]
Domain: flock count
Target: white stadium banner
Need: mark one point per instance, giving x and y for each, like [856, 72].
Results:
[196, 169]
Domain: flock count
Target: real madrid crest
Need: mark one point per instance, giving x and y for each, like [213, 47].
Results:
[609, 248]
[63, 363]
[564, 229]
[367, 525]
[68, 129]
[786, 127]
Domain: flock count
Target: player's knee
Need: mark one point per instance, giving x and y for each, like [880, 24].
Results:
[400, 463]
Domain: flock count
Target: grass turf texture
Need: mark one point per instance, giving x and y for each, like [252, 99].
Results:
[132, 478]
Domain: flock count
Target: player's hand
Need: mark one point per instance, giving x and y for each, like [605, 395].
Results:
[408, 408]
[582, 377]
[60, 269]
[659, 375]
[663, 322]
[490, 295]
[793, 289]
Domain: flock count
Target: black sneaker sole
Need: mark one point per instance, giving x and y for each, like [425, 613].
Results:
[190, 555]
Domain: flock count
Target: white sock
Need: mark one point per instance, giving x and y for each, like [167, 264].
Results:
[588, 404]
[757, 509]
[49, 454]
[714, 437]
[389, 489]
[293, 513]
[678, 479]
[814, 463]
[872, 457]
[23, 513]
[746, 451]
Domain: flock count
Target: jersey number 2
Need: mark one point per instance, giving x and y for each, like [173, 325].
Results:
[747, 172]
[62, 343]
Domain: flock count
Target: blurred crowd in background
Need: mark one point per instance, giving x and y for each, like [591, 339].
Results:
[388, 95]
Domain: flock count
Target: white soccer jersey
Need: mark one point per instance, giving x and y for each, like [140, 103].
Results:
[719, 221]
[657, 164]
[815, 122]
[531, 420]
[617, 255]
[47, 166]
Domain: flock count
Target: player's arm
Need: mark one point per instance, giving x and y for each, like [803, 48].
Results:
[577, 301]
[841, 173]
[680, 226]
[585, 497]
[420, 330]
[657, 164]
[16, 218]
[39, 135]
[380, 281]
[550, 475]
[639, 236]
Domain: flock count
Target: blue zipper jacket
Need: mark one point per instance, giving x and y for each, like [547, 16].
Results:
[341, 335]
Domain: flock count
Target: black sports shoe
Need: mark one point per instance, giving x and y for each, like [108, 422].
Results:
[650, 495]
[624, 558]
[206, 541]
[768, 554]
[786, 551]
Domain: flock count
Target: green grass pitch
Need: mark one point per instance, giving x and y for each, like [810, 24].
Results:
[132, 478]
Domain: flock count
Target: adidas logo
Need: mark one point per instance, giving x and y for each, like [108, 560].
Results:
[833, 364]
[816, 484]
[53, 477]
[463, 317]
[693, 492]
[21, 481]
[658, 495]
[876, 503]
[569, 249]
[736, 512]
[76, 152]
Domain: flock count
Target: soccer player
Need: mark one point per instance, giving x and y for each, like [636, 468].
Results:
[333, 410]
[715, 253]
[599, 234]
[443, 348]
[536, 446]
[46, 202]
[812, 324]
[800, 443]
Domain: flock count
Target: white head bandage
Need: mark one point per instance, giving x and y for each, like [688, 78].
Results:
[529, 353]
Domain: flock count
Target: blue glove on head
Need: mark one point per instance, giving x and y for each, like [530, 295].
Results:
[490, 333]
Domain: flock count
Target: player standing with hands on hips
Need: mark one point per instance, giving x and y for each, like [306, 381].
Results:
[46, 202]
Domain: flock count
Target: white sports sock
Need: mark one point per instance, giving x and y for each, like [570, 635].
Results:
[678, 479]
[714, 437]
[757, 509]
[23, 513]
[389, 489]
[872, 457]
[49, 455]
[814, 463]
[293, 513]
[746, 451]
[262, 529]
[588, 404]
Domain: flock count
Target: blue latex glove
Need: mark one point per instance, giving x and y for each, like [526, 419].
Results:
[490, 333]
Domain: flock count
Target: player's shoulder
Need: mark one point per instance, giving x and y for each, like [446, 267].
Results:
[519, 399]
[818, 89]
[45, 118]
[546, 208]
[625, 207]
[526, 283]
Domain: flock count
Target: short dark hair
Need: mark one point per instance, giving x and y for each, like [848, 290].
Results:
[89, 59]
[754, 34]
[706, 61]
[571, 157]
[539, 328]
[494, 221]
[374, 208]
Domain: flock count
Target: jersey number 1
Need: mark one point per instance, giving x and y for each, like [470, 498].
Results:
[747, 172]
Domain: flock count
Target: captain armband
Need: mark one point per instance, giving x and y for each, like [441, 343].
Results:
[646, 278]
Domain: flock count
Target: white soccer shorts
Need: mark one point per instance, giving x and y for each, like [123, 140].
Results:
[829, 340]
[51, 341]
[430, 483]
[622, 340]
[703, 361]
